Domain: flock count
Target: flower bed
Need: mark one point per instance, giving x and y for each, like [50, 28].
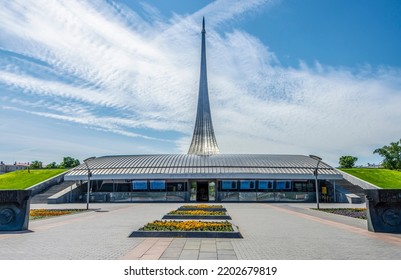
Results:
[192, 228]
[197, 213]
[45, 213]
[359, 213]
[202, 206]
[191, 225]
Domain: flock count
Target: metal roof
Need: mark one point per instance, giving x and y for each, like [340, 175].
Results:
[220, 166]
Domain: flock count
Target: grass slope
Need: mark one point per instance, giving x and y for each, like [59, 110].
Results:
[383, 178]
[19, 180]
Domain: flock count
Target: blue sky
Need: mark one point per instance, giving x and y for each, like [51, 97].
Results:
[93, 78]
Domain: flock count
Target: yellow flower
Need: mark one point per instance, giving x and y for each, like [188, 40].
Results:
[50, 212]
[190, 225]
[202, 206]
[197, 213]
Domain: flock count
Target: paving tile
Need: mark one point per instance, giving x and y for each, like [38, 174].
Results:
[180, 243]
[224, 245]
[172, 252]
[208, 241]
[207, 248]
[188, 257]
[226, 252]
[150, 257]
[140, 250]
[226, 257]
[190, 252]
[207, 256]
[191, 246]
[268, 235]
[191, 241]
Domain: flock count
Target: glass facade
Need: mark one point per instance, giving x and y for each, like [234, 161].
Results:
[265, 190]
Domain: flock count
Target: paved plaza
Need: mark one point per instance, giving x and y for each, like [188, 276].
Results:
[270, 231]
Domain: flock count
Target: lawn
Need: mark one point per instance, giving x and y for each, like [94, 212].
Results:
[383, 178]
[20, 180]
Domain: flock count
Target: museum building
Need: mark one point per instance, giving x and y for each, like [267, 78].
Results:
[203, 174]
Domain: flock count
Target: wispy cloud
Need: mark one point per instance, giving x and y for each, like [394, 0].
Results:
[104, 66]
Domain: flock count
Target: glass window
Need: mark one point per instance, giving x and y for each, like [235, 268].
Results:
[265, 185]
[106, 187]
[158, 185]
[122, 187]
[283, 185]
[300, 186]
[228, 185]
[247, 184]
[176, 187]
[139, 185]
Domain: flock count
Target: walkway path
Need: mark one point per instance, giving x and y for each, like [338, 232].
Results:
[271, 231]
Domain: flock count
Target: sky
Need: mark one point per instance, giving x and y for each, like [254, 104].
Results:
[96, 78]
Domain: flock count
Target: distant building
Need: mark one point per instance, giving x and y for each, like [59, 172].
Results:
[5, 168]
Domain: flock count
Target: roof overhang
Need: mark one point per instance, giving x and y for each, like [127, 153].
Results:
[192, 167]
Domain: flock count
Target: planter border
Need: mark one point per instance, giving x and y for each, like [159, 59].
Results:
[196, 217]
[189, 234]
[203, 209]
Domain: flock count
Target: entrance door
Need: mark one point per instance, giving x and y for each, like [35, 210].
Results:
[202, 191]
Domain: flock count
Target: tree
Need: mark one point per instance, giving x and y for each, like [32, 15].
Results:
[69, 162]
[391, 155]
[347, 161]
[36, 164]
[52, 165]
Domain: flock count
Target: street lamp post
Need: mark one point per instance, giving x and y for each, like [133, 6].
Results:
[318, 159]
[89, 180]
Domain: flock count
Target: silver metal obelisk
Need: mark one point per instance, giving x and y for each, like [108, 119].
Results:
[203, 140]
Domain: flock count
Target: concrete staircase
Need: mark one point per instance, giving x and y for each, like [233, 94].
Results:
[41, 198]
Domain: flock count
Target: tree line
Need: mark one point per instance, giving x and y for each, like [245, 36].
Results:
[391, 155]
[68, 162]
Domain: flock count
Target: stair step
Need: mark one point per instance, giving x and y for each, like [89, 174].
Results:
[41, 198]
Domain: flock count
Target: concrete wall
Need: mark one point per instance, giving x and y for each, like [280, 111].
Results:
[344, 196]
[69, 194]
[47, 184]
